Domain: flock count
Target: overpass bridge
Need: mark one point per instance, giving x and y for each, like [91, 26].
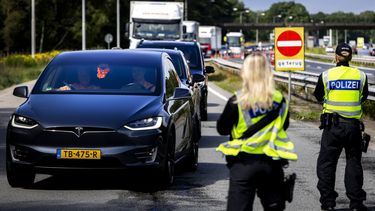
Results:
[308, 26]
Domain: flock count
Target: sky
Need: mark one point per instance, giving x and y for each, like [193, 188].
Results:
[315, 6]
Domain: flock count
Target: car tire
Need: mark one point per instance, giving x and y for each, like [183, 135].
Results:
[192, 158]
[18, 176]
[166, 174]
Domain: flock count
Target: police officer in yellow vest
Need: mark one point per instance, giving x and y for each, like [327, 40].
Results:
[342, 89]
[255, 161]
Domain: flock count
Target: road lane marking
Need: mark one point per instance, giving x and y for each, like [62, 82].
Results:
[319, 67]
[217, 94]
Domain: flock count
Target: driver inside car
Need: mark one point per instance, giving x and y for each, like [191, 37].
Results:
[138, 75]
[84, 82]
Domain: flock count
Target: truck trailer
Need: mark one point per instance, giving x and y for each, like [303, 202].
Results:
[210, 40]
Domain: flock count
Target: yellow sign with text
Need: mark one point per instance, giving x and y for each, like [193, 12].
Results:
[289, 49]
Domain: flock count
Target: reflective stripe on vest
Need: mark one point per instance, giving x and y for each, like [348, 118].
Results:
[270, 140]
[343, 91]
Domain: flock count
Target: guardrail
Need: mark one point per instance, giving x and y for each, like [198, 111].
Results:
[360, 59]
[307, 80]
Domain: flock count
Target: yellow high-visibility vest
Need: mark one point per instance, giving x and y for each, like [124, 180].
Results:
[343, 88]
[271, 140]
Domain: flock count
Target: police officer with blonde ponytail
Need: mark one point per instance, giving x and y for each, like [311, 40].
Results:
[342, 89]
[256, 118]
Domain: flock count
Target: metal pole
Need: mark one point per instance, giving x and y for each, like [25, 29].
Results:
[118, 23]
[33, 28]
[289, 86]
[83, 25]
[257, 31]
[337, 37]
[346, 36]
[186, 10]
[241, 21]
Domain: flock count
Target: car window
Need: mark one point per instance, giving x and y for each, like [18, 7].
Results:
[191, 53]
[171, 81]
[177, 65]
[102, 78]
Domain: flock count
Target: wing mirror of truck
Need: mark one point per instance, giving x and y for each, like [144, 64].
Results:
[209, 69]
[127, 30]
[184, 29]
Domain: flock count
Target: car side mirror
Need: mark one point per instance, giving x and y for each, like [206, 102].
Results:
[181, 93]
[127, 30]
[196, 78]
[209, 69]
[21, 91]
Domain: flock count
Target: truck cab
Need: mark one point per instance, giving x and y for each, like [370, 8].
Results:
[155, 21]
[235, 42]
[191, 32]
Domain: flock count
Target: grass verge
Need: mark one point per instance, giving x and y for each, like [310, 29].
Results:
[15, 75]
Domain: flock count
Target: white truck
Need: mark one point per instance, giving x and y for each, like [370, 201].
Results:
[210, 40]
[191, 29]
[235, 42]
[150, 20]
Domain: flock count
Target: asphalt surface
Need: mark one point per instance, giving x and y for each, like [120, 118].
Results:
[205, 189]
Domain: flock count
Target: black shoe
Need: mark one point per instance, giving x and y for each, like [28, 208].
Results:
[327, 208]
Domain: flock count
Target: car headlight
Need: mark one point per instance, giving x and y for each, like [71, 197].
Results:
[23, 122]
[145, 124]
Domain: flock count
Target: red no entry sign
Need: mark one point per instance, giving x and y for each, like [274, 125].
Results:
[289, 43]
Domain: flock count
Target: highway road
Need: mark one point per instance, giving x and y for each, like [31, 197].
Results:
[205, 189]
[319, 67]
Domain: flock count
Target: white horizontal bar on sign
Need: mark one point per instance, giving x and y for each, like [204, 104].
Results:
[293, 43]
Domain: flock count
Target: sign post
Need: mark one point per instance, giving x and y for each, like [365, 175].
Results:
[108, 39]
[289, 51]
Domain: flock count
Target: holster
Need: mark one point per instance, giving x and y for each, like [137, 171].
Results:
[289, 182]
[365, 138]
[325, 121]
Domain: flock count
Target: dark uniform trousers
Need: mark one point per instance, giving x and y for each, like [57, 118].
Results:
[251, 173]
[346, 135]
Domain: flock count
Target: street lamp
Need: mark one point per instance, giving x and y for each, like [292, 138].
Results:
[256, 21]
[277, 16]
[235, 9]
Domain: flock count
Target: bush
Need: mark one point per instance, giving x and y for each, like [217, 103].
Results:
[22, 60]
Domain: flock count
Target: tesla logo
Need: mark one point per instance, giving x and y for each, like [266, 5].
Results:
[79, 131]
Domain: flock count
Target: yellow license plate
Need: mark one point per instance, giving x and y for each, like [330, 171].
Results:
[92, 154]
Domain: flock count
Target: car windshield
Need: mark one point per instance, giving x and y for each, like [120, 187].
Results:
[191, 53]
[204, 40]
[234, 42]
[99, 78]
[154, 31]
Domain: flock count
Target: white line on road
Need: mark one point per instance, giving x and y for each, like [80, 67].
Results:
[217, 94]
[319, 67]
